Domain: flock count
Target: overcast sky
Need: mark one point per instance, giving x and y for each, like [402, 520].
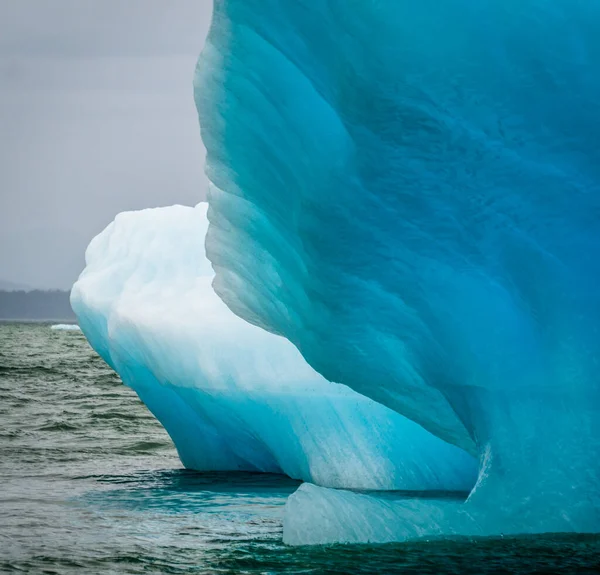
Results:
[96, 117]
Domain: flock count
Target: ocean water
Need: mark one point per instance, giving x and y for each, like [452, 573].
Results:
[90, 483]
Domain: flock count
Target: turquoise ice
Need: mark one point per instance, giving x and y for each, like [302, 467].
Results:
[410, 193]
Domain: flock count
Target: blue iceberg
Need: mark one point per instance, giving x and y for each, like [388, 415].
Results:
[410, 194]
[231, 395]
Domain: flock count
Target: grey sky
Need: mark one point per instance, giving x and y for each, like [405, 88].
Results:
[96, 117]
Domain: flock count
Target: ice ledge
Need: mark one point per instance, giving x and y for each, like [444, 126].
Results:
[323, 516]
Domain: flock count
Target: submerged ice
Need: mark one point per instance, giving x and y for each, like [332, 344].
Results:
[410, 193]
[231, 395]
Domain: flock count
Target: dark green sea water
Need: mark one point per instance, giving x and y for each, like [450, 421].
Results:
[90, 483]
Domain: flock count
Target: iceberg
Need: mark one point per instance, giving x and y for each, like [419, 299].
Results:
[231, 395]
[410, 194]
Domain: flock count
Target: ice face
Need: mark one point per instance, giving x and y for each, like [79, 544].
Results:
[410, 193]
[231, 395]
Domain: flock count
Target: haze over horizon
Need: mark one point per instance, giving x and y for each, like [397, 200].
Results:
[97, 117]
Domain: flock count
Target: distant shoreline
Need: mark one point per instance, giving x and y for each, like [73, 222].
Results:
[49, 321]
[36, 306]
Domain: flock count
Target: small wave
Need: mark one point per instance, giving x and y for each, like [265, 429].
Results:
[65, 327]
[58, 426]
[127, 416]
[27, 370]
[146, 446]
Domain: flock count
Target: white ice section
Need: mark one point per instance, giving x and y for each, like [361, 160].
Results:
[65, 327]
[231, 395]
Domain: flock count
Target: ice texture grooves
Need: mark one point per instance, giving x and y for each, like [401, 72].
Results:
[231, 395]
[409, 192]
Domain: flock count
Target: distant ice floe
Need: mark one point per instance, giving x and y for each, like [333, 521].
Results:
[65, 327]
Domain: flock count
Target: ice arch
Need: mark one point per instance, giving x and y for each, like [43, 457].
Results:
[232, 396]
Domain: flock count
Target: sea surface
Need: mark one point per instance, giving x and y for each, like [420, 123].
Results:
[90, 483]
